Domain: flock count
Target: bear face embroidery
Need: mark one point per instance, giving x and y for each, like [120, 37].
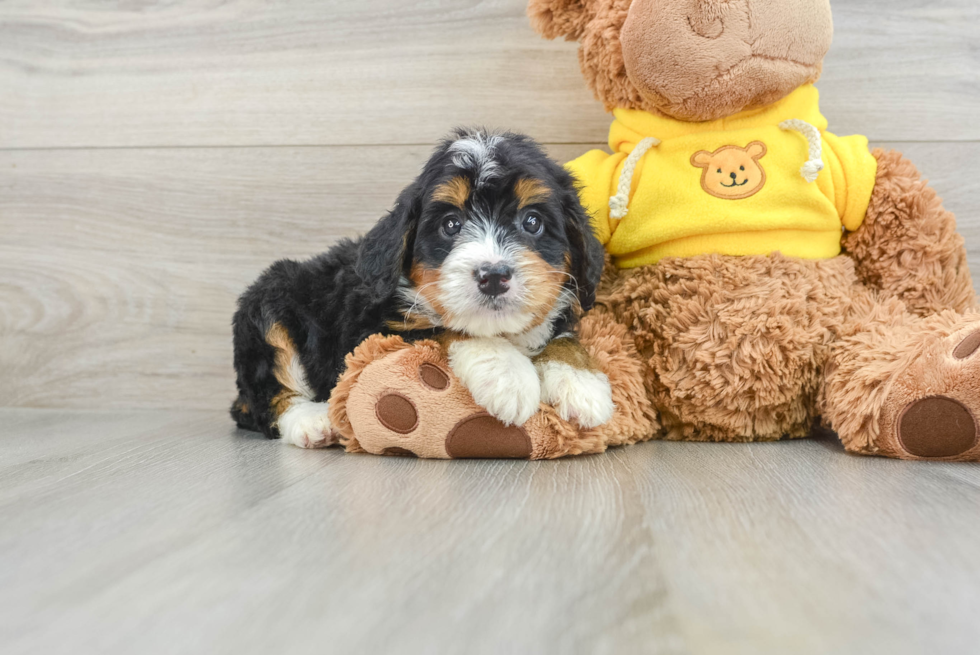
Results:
[730, 172]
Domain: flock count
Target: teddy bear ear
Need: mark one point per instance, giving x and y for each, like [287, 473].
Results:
[554, 18]
[701, 159]
[757, 149]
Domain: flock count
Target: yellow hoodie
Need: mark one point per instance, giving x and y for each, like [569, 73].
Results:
[735, 186]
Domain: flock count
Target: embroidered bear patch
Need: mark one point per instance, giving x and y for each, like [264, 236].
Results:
[730, 172]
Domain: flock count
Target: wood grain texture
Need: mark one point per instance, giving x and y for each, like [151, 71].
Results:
[163, 532]
[119, 269]
[251, 72]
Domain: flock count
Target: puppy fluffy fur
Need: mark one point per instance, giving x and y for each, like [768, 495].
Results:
[488, 251]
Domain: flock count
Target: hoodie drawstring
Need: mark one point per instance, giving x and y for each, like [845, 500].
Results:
[811, 169]
[619, 203]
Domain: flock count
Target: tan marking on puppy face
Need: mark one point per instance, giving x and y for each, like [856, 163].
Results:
[530, 191]
[454, 192]
[423, 296]
[426, 281]
[283, 367]
[567, 351]
[543, 284]
[731, 172]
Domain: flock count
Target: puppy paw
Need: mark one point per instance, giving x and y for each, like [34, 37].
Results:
[307, 425]
[578, 395]
[499, 377]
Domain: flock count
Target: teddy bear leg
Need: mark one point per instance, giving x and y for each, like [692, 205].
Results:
[401, 399]
[908, 246]
[732, 347]
[907, 387]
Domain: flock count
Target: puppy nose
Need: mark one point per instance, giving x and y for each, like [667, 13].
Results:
[733, 176]
[492, 279]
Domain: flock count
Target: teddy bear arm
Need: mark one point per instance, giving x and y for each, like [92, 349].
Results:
[908, 246]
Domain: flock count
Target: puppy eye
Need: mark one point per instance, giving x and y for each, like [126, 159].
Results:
[451, 226]
[719, 170]
[532, 224]
[741, 168]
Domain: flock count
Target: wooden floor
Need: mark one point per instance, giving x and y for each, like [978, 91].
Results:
[156, 156]
[169, 532]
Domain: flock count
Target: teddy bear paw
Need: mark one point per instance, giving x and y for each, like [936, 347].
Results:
[409, 403]
[942, 421]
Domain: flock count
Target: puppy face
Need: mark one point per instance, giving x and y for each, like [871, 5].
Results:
[491, 240]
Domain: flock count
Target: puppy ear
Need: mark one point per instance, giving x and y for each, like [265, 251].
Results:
[588, 255]
[384, 252]
[554, 18]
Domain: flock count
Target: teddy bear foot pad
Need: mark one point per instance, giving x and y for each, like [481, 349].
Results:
[940, 425]
[423, 409]
[479, 435]
[937, 427]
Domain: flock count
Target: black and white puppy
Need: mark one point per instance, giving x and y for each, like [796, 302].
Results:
[488, 251]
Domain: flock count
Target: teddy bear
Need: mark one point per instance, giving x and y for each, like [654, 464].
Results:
[764, 274]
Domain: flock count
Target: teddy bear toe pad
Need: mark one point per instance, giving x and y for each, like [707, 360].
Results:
[481, 435]
[397, 413]
[433, 377]
[968, 346]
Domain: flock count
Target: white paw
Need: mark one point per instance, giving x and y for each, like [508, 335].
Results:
[307, 425]
[577, 394]
[500, 378]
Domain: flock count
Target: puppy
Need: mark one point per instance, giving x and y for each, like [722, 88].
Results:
[488, 251]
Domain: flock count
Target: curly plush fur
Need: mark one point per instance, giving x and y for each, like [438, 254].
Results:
[732, 346]
[908, 246]
[737, 348]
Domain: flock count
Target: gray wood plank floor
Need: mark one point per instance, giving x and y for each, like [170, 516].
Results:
[170, 532]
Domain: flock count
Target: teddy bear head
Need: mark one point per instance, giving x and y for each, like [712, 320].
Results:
[694, 60]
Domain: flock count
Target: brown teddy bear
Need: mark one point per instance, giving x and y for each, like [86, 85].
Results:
[765, 271]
